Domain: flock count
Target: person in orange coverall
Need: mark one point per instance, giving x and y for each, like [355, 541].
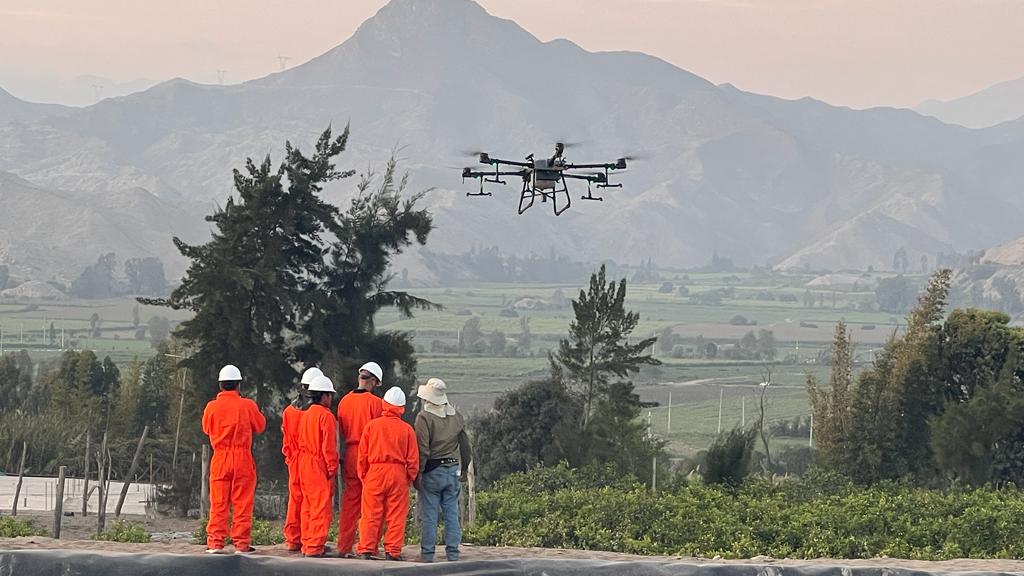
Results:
[355, 410]
[230, 421]
[389, 460]
[318, 465]
[290, 449]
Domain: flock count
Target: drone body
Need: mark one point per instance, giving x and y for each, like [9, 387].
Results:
[545, 178]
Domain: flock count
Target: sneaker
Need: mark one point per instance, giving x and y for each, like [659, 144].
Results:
[391, 558]
[365, 556]
[320, 555]
[348, 556]
[248, 550]
[216, 551]
[453, 558]
[424, 559]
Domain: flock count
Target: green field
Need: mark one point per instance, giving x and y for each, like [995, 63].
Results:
[801, 333]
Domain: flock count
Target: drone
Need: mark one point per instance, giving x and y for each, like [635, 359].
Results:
[545, 178]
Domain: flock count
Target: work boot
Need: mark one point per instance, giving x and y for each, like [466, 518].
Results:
[391, 558]
[216, 551]
[293, 547]
[248, 550]
[365, 556]
[317, 555]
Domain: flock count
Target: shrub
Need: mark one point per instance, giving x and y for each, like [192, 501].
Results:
[728, 459]
[14, 528]
[821, 515]
[123, 531]
[264, 533]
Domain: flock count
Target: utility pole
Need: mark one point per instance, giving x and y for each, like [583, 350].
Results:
[810, 437]
[668, 427]
[721, 395]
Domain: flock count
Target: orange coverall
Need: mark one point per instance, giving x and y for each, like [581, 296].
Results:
[318, 465]
[389, 460]
[355, 410]
[290, 448]
[230, 421]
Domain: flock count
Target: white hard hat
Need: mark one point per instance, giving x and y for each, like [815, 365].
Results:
[373, 368]
[434, 391]
[229, 373]
[395, 396]
[321, 384]
[310, 374]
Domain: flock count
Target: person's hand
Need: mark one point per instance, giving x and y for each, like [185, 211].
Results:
[417, 483]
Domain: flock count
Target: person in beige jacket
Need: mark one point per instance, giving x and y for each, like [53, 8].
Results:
[445, 455]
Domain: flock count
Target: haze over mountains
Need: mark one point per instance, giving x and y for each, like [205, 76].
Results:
[759, 179]
[994, 105]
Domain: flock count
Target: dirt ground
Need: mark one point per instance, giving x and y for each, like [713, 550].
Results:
[470, 552]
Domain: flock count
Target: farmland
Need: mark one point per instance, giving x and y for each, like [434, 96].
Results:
[476, 342]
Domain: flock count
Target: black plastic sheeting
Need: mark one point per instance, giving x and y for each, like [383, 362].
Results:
[85, 563]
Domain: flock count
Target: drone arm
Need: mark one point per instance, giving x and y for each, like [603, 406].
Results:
[588, 177]
[499, 162]
[468, 173]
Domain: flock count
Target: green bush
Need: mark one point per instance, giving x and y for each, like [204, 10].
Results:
[264, 533]
[819, 516]
[123, 531]
[13, 528]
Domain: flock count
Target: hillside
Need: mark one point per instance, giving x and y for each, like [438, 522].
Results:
[759, 179]
[48, 234]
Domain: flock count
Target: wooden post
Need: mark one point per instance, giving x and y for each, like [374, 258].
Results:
[131, 473]
[177, 430]
[204, 495]
[85, 477]
[58, 506]
[103, 473]
[152, 487]
[21, 476]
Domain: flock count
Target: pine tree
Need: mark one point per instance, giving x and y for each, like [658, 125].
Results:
[253, 282]
[598, 346]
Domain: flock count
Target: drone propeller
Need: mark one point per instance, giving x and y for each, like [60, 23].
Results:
[570, 144]
[637, 155]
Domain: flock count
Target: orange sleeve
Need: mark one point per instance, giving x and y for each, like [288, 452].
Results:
[363, 462]
[412, 453]
[259, 422]
[285, 437]
[206, 420]
[330, 445]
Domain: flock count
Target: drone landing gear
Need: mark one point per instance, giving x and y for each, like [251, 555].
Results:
[481, 192]
[590, 194]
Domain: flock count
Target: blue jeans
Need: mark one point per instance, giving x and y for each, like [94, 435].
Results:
[439, 493]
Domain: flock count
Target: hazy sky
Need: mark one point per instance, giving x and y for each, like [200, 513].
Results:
[853, 52]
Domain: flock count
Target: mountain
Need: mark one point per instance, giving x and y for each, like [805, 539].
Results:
[50, 234]
[1000, 103]
[759, 179]
[15, 109]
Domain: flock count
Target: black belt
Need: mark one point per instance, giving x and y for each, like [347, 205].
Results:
[434, 463]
